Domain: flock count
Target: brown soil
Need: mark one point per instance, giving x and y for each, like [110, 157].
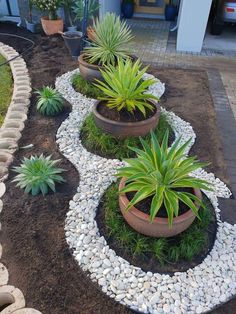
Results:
[34, 247]
[123, 115]
[35, 251]
[188, 95]
[147, 261]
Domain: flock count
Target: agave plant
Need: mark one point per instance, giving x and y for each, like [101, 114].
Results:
[159, 172]
[50, 101]
[110, 39]
[38, 174]
[124, 88]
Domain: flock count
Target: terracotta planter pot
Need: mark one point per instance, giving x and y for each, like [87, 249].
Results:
[88, 71]
[51, 27]
[139, 221]
[90, 33]
[126, 129]
[91, 72]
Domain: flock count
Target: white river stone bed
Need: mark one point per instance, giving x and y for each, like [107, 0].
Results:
[195, 291]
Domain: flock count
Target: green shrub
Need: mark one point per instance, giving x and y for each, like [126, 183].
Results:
[38, 175]
[50, 101]
[110, 40]
[85, 87]
[158, 172]
[124, 88]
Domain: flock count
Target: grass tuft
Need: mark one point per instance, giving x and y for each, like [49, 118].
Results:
[105, 145]
[86, 88]
[185, 246]
[6, 88]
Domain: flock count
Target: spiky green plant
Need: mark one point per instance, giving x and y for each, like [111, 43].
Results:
[50, 101]
[110, 40]
[78, 9]
[158, 172]
[38, 174]
[124, 88]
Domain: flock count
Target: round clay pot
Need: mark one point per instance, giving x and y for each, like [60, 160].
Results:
[88, 71]
[159, 228]
[126, 129]
[91, 72]
[52, 27]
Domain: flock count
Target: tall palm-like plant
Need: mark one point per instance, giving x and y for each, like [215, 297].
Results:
[110, 41]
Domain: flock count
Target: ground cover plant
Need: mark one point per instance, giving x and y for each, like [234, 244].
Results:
[50, 101]
[85, 87]
[185, 246]
[6, 88]
[106, 145]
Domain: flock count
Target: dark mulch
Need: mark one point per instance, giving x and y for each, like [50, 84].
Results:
[34, 247]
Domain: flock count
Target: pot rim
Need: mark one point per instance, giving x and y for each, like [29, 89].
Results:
[95, 66]
[46, 18]
[121, 123]
[158, 220]
[65, 34]
[89, 65]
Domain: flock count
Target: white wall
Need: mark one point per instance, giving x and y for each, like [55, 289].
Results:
[109, 6]
[192, 24]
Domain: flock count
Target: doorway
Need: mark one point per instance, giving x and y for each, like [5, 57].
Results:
[150, 6]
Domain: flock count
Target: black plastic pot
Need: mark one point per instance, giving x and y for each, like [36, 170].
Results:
[73, 42]
[170, 12]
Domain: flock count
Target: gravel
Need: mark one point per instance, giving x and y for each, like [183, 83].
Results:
[193, 291]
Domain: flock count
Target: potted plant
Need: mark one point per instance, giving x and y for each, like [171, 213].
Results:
[78, 9]
[51, 24]
[170, 11]
[110, 39]
[158, 195]
[126, 109]
[127, 8]
[30, 25]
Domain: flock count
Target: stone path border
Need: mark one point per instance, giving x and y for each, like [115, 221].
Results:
[10, 133]
[197, 290]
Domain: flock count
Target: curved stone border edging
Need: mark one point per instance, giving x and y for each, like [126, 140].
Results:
[10, 133]
[197, 290]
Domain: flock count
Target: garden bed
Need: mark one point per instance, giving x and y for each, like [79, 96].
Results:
[34, 246]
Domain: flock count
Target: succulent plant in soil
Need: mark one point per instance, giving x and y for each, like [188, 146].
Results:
[38, 174]
[50, 101]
